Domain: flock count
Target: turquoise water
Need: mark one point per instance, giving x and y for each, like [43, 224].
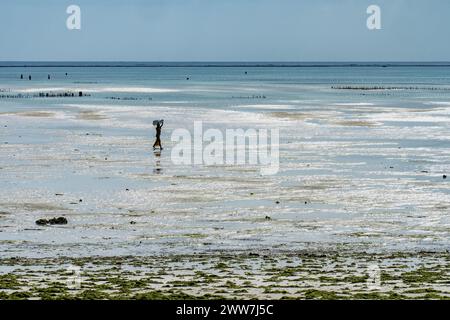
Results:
[221, 87]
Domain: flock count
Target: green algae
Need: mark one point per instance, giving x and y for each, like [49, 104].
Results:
[318, 276]
[9, 281]
[313, 294]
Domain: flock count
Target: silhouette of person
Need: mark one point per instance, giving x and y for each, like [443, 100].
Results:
[158, 135]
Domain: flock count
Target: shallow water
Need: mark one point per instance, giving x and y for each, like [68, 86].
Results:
[358, 168]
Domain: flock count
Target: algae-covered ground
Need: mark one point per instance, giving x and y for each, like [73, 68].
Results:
[301, 275]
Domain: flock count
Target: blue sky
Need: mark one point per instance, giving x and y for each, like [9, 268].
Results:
[225, 30]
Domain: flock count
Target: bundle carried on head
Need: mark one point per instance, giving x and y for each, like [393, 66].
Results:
[158, 122]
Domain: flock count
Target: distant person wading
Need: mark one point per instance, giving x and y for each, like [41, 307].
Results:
[158, 125]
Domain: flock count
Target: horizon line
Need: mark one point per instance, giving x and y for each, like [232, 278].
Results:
[210, 63]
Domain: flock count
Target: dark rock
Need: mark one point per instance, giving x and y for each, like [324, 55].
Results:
[59, 220]
[42, 222]
[268, 218]
[444, 177]
[277, 202]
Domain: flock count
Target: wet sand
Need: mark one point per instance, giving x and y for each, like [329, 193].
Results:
[369, 183]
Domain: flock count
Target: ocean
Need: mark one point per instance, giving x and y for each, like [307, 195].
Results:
[364, 148]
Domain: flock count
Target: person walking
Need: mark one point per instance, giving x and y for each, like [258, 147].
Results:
[159, 125]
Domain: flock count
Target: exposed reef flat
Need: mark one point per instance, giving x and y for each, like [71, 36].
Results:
[225, 275]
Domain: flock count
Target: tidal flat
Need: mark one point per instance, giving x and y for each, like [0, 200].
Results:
[293, 275]
[359, 208]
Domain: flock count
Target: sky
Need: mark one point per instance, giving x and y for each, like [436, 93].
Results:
[225, 30]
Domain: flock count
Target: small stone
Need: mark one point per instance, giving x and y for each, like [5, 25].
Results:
[277, 202]
[81, 200]
[444, 176]
[59, 220]
[132, 222]
[268, 218]
[41, 222]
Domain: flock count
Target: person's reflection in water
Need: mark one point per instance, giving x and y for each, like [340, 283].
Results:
[157, 169]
